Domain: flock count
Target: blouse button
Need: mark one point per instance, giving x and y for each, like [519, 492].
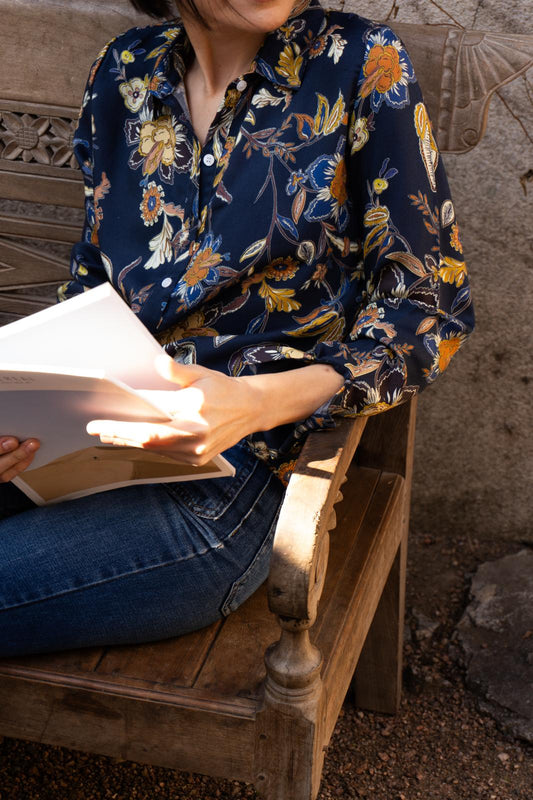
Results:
[166, 282]
[209, 159]
[241, 86]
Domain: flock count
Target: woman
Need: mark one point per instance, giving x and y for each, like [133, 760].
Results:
[264, 189]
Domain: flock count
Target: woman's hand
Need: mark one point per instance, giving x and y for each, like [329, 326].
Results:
[212, 411]
[15, 456]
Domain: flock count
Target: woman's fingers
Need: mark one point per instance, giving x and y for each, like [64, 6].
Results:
[15, 457]
[147, 435]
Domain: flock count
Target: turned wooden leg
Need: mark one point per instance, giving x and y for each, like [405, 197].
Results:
[289, 753]
[377, 679]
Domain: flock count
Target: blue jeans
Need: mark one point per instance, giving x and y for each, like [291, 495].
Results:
[135, 564]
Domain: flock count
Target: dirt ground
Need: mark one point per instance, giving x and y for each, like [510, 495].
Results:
[439, 746]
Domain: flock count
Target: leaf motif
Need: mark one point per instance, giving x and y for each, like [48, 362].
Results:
[306, 251]
[257, 324]
[278, 299]
[288, 225]
[321, 114]
[298, 205]
[253, 250]
[374, 239]
[463, 298]
[426, 325]
[305, 126]
[452, 271]
[335, 118]
[410, 261]
[289, 65]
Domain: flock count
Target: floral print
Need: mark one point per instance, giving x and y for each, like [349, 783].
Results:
[387, 71]
[314, 225]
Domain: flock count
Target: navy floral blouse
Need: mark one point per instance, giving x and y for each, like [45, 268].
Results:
[314, 225]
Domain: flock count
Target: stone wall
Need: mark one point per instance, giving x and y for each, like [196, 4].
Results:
[474, 464]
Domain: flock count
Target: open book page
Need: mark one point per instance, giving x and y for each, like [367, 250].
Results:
[56, 408]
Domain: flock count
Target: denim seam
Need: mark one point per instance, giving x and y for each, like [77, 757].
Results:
[137, 571]
[251, 570]
[179, 492]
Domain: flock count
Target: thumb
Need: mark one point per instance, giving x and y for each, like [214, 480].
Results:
[176, 372]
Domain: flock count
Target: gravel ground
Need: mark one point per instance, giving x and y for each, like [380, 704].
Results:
[439, 746]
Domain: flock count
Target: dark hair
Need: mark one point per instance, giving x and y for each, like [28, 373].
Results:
[162, 9]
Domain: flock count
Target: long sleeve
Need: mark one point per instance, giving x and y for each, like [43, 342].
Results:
[416, 309]
[87, 265]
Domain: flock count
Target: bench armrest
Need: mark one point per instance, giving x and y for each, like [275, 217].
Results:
[300, 550]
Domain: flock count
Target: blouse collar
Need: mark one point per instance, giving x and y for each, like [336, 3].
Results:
[282, 58]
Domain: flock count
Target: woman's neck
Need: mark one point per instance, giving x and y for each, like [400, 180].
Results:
[221, 54]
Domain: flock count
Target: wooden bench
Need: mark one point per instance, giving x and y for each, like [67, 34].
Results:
[237, 699]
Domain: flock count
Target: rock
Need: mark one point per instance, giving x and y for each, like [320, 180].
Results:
[425, 627]
[494, 635]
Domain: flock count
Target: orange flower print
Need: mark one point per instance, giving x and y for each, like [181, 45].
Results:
[282, 269]
[285, 471]
[152, 203]
[205, 269]
[455, 241]
[442, 348]
[447, 349]
[201, 265]
[327, 174]
[382, 69]
[387, 71]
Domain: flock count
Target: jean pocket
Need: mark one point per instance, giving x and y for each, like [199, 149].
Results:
[254, 575]
[210, 499]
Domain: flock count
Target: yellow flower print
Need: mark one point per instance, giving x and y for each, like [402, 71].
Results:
[379, 185]
[278, 299]
[127, 57]
[157, 143]
[452, 271]
[152, 203]
[455, 240]
[289, 64]
[134, 92]
[358, 134]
